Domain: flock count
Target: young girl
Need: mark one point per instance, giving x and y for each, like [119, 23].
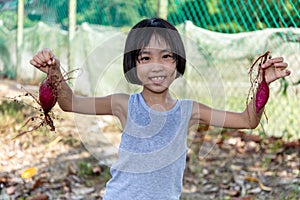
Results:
[153, 147]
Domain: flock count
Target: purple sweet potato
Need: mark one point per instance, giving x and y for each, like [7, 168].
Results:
[259, 86]
[262, 94]
[47, 95]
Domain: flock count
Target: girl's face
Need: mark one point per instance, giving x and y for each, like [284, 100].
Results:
[156, 67]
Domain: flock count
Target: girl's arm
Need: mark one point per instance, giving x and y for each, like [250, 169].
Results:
[109, 105]
[206, 115]
[275, 68]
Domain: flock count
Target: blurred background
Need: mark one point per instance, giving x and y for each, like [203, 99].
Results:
[222, 38]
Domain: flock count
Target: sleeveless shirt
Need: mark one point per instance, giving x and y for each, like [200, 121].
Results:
[152, 153]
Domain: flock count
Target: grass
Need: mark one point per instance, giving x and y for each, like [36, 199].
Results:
[14, 114]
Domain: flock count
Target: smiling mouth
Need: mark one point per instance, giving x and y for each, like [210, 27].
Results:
[158, 78]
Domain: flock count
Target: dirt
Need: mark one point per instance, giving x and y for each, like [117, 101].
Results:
[227, 164]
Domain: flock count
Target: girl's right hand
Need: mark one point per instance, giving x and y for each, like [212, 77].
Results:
[44, 59]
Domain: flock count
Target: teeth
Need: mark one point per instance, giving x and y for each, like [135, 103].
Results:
[158, 78]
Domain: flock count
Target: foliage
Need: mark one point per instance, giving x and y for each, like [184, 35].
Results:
[12, 113]
[114, 12]
[85, 168]
[6, 59]
[222, 16]
[9, 19]
[249, 15]
[11, 108]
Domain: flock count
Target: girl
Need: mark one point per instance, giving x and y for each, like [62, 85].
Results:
[152, 151]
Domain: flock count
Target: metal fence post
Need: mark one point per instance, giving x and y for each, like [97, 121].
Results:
[71, 31]
[19, 37]
[162, 9]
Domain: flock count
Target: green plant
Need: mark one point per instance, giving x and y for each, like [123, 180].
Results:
[106, 173]
[11, 108]
[9, 19]
[85, 168]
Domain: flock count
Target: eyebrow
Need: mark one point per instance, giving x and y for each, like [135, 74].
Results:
[143, 51]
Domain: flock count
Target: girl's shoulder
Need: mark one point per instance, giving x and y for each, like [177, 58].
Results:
[120, 99]
[198, 107]
[123, 96]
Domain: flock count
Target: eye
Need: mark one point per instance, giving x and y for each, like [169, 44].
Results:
[144, 59]
[168, 57]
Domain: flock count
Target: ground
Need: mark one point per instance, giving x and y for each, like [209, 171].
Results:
[223, 164]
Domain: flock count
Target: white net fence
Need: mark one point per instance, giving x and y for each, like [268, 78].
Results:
[217, 70]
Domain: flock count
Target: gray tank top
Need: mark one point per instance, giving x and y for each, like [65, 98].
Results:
[152, 153]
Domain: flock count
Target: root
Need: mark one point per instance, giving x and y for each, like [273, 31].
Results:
[43, 122]
[255, 79]
[55, 84]
[49, 122]
[34, 97]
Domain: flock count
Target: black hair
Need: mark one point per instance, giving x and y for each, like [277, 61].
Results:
[139, 37]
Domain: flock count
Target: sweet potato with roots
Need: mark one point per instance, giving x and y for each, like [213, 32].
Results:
[48, 95]
[259, 86]
[262, 94]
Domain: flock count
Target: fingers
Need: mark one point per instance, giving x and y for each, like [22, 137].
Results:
[275, 68]
[43, 58]
[277, 62]
[281, 65]
[285, 73]
[47, 56]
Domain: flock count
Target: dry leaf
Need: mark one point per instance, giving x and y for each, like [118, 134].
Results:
[38, 183]
[10, 190]
[232, 193]
[242, 198]
[40, 197]
[261, 185]
[28, 173]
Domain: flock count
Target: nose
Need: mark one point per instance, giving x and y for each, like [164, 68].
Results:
[157, 64]
[157, 67]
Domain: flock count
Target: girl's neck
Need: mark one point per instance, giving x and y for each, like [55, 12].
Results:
[159, 101]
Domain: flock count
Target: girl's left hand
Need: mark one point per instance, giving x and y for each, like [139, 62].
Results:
[275, 68]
